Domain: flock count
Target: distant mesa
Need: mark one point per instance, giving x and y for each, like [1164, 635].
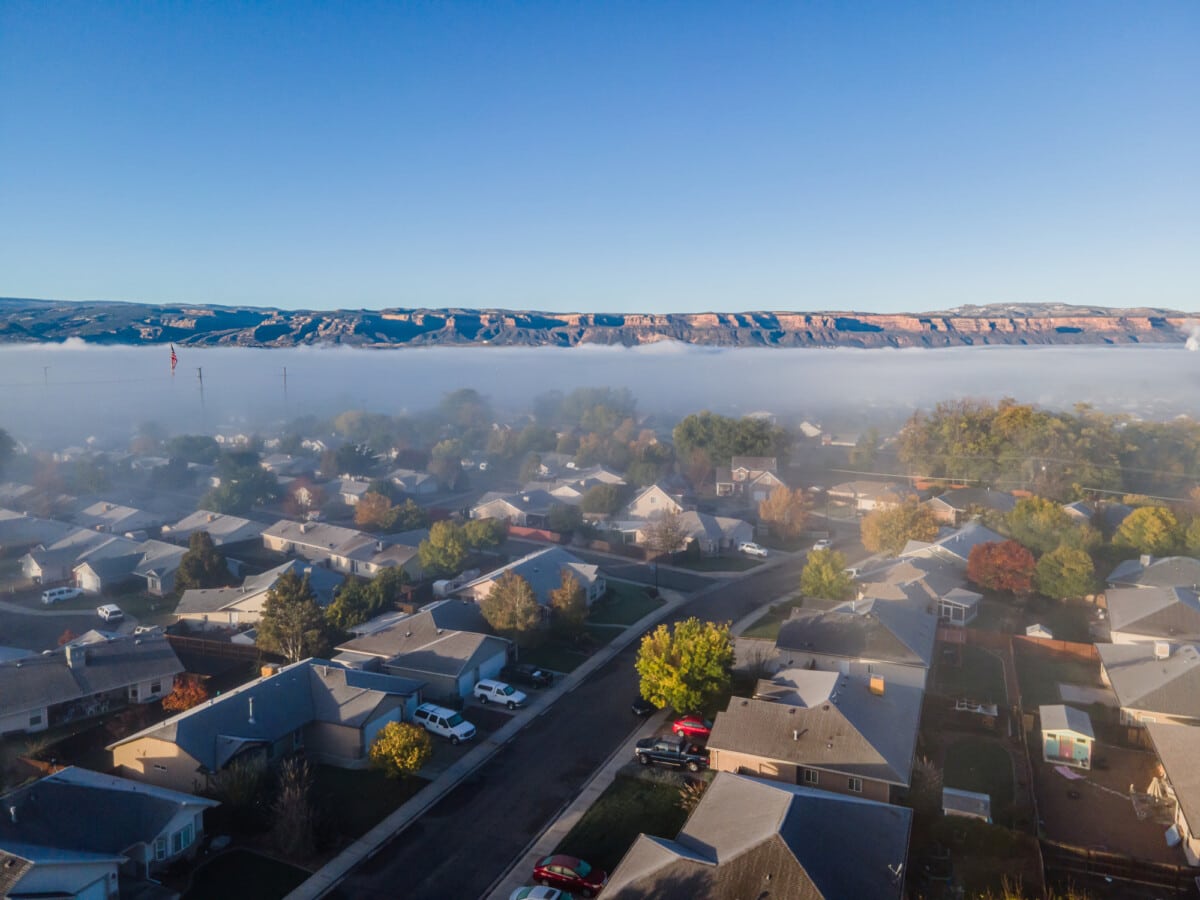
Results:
[103, 322]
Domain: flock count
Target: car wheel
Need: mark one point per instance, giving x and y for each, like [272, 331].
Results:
[483, 699]
[544, 881]
[511, 705]
[585, 893]
[454, 739]
[643, 759]
[693, 766]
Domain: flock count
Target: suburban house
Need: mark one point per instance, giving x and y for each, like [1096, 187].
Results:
[49, 564]
[443, 645]
[288, 466]
[544, 570]
[1167, 571]
[21, 532]
[1148, 614]
[120, 560]
[1081, 513]
[926, 583]
[80, 834]
[83, 679]
[225, 531]
[526, 509]
[329, 711]
[12, 492]
[1153, 682]
[112, 518]
[957, 506]
[351, 490]
[417, 484]
[866, 496]
[746, 833]
[710, 535]
[1067, 736]
[652, 503]
[822, 730]
[1178, 748]
[865, 638]
[752, 477]
[342, 549]
[954, 546]
[158, 565]
[234, 606]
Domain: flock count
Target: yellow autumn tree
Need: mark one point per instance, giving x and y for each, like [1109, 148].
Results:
[400, 749]
[688, 667]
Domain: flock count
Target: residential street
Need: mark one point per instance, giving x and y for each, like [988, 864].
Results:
[466, 841]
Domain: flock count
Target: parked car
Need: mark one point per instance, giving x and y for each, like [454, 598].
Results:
[488, 690]
[671, 751]
[528, 675]
[853, 571]
[59, 594]
[642, 706]
[444, 723]
[752, 549]
[110, 612]
[692, 727]
[823, 544]
[569, 873]
[540, 892]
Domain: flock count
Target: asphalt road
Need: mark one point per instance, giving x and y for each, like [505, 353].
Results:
[468, 839]
[628, 570]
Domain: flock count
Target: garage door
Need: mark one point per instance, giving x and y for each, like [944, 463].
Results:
[94, 891]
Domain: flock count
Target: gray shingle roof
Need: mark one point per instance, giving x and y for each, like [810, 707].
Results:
[1140, 681]
[964, 499]
[1156, 612]
[887, 631]
[1060, 717]
[1170, 571]
[543, 570]
[223, 529]
[1178, 748]
[420, 644]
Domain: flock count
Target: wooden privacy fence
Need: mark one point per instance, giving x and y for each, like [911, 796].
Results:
[1070, 861]
[223, 649]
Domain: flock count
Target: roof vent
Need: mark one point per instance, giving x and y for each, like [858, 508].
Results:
[1161, 649]
[408, 634]
[795, 734]
[251, 719]
[12, 813]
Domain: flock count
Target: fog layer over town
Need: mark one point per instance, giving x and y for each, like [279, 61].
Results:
[53, 393]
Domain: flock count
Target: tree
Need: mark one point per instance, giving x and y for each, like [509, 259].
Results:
[408, 516]
[665, 535]
[530, 469]
[1151, 529]
[373, 511]
[351, 606]
[354, 459]
[1191, 537]
[1038, 523]
[888, 530]
[1001, 566]
[482, 533]
[602, 499]
[785, 511]
[293, 820]
[445, 550]
[400, 749]
[687, 667]
[563, 517]
[1065, 572]
[194, 448]
[511, 608]
[568, 605]
[292, 623]
[66, 637]
[203, 566]
[189, 691]
[303, 495]
[825, 576]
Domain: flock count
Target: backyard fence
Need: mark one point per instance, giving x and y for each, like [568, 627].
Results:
[1065, 860]
[222, 649]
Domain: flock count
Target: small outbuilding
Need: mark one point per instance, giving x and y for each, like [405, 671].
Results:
[959, 606]
[1038, 630]
[970, 804]
[1067, 736]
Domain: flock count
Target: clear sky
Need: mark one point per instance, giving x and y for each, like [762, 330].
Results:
[602, 156]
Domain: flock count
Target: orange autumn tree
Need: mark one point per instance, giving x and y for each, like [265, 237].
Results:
[1002, 566]
[189, 691]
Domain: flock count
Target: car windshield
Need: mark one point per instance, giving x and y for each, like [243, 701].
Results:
[455, 720]
[507, 689]
[582, 869]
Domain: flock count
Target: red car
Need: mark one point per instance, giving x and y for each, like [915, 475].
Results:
[692, 727]
[569, 873]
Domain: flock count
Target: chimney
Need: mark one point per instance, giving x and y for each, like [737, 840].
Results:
[877, 685]
[212, 516]
[1145, 559]
[1162, 649]
[252, 722]
[76, 657]
[379, 546]
[795, 734]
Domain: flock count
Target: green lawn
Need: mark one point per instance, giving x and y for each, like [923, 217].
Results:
[353, 801]
[142, 606]
[980, 678]
[629, 807]
[624, 604]
[767, 626]
[719, 564]
[1066, 621]
[554, 656]
[243, 873]
[976, 764]
[1039, 675]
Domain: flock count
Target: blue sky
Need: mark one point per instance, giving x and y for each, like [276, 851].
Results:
[602, 156]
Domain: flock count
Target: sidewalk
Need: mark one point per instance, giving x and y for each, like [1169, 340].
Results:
[326, 878]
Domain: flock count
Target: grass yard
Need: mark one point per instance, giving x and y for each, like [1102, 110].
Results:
[624, 604]
[629, 807]
[980, 678]
[976, 764]
[767, 626]
[144, 607]
[554, 656]
[1066, 621]
[243, 873]
[353, 801]
[719, 564]
[1039, 675]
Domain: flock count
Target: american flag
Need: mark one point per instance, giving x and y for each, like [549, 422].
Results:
[174, 359]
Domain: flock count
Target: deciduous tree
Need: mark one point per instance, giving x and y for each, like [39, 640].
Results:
[203, 566]
[189, 691]
[445, 550]
[1038, 524]
[563, 517]
[825, 576]
[568, 605]
[1151, 529]
[400, 749]
[484, 533]
[293, 823]
[292, 624]
[1001, 566]
[665, 535]
[785, 511]
[373, 511]
[1065, 572]
[888, 530]
[687, 667]
[602, 499]
[511, 608]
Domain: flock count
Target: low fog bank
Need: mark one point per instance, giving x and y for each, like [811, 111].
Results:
[62, 393]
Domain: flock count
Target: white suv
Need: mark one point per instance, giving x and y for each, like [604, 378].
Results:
[58, 594]
[488, 690]
[444, 722]
[752, 549]
[110, 612]
[823, 544]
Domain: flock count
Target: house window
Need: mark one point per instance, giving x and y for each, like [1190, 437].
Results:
[855, 785]
[156, 687]
[160, 767]
[160, 848]
[35, 720]
[182, 839]
[811, 776]
[870, 668]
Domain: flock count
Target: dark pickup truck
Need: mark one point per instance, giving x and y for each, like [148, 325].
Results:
[526, 675]
[671, 751]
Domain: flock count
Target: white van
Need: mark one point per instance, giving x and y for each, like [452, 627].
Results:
[444, 722]
[58, 594]
[110, 612]
[499, 692]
